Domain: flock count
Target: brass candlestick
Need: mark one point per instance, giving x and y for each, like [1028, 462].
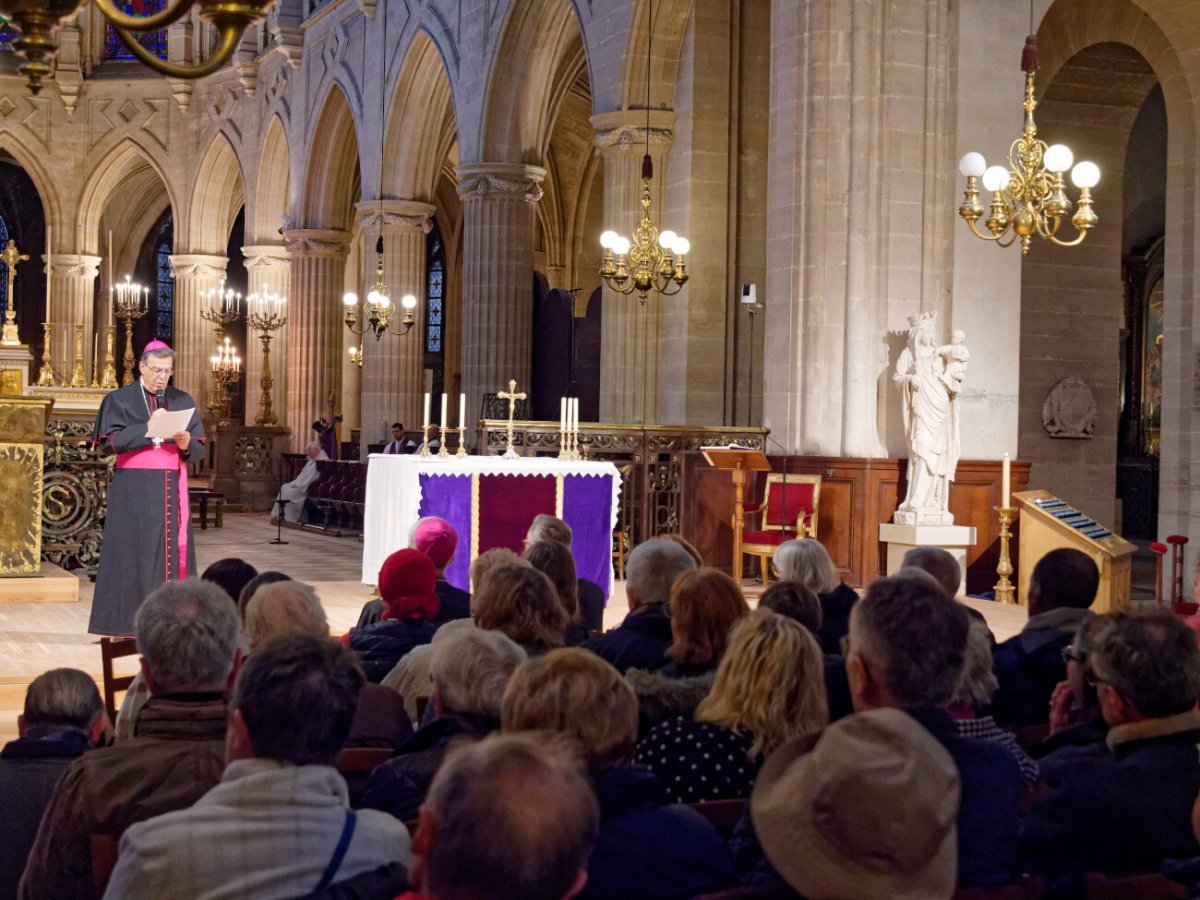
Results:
[78, 378]
[265, 322]
[425, 438]
[108, 380]
[462, 443]
[129, 305]
[46, 376]
[1004, 587]
[442, 443]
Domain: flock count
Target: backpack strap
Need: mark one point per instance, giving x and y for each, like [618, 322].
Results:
[339, 853]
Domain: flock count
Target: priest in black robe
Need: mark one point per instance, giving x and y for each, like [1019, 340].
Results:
[147, 528]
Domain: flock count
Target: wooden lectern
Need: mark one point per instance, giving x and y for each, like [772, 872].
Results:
[1048, 523]
[739, 461]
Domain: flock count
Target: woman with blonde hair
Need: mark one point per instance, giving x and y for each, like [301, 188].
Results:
[770, 687]
[807, 562]
[521, 602]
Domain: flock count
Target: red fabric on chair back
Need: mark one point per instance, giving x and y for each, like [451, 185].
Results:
[799, 501]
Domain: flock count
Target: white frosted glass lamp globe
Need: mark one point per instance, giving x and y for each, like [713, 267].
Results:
[996, 178]
[408, 301]
[1086, 175]
[607, 239]
[1058, 158]
[682, 246]
[621, 246]
[972, 165]
[667, 240]
[350, 299]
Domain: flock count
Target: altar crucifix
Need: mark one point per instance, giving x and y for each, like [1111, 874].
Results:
[10, 257]
[512, 397]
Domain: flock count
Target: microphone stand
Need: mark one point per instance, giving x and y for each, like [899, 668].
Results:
[280, 503]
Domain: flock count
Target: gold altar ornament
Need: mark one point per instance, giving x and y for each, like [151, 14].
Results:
[264, 313]
[11, 257]
[130, 303]
[39, 21]
[46, 376]
[1004, 587]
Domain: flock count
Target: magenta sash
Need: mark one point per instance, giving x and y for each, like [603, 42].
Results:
[168, 459]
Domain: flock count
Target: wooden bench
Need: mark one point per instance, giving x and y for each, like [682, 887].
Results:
[202, 497]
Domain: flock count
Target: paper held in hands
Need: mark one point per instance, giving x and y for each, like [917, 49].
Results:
[169, 424]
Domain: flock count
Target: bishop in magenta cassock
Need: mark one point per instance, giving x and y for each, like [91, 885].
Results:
[147, 526]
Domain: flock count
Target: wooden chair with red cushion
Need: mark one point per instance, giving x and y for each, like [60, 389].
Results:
[788, 511]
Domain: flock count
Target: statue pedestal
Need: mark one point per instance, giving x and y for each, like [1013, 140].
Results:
[955, 539]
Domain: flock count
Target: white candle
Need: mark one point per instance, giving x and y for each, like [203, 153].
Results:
[462, 411]
[425, 417]
[574, 413]
[443, 421]
[48, 272]
[1005, 481]
[562, 414]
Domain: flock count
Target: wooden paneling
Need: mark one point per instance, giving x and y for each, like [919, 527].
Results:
[857, 496]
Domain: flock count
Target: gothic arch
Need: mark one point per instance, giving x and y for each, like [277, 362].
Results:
[125, 166]
[51, 201]
[518, 112]
[421, 125]
[331, 179]
[670, 22]
[1069, 27]
[271, 200]
[217, 195]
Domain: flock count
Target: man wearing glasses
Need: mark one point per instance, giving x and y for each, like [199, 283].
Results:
[1124, 804]
[147, 525]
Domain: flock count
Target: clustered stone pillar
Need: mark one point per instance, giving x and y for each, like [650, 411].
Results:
[498, 209]
[629, 355]
[268, 269]
[314, 352]
[393, 365]
[72, 288]
[195, 275]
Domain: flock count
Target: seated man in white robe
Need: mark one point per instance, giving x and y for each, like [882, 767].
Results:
[295, 492]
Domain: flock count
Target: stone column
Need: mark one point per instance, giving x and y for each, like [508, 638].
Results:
[195, 340]
[314, 352]
[631, 330]
[497, 300]
[72, 289]
[268, 268]
[393, 365]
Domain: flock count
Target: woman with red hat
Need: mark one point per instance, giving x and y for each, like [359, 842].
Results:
[407, 581]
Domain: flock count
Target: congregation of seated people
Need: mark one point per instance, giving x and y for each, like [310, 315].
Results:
[810, 742]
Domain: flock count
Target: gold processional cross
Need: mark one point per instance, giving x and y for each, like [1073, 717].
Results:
[10, 257]
[512, 397]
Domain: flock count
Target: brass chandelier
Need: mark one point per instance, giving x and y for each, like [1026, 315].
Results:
[38, 21]
[1028, 198]
[651, 261]
[377, 316]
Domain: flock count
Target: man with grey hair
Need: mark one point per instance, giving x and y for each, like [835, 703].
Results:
[470, 672]
[187, 633]
[147, 529]
[64, 716]
[510, 810]
[295, 492]
[906, 651]
[641, 641]
[1124, 805]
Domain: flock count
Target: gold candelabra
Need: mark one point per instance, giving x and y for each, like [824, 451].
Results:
[1004, 587]
[108, 380]
[356, 354]
[46, 376]
[227, 372]
[1028, 197]
[221, 308]
[132, 301]
[78, 377]
[265, 315]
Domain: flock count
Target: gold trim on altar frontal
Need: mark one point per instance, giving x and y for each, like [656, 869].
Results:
[21, 524]
[10, 383]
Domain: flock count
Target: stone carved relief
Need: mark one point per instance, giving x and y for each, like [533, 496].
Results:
[252, 455]
[633, 137]
[195, 270]
[482, 184]
[395, 222]
[86, 268]
[1070, 410]
[316, 246]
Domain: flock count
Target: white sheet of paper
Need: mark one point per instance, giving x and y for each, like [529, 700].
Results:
[170, 423]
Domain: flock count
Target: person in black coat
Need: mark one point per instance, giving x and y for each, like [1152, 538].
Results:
[645, 849]
[470, 671]
[64, 717]
[807, 562]
[437, 539]
[1124, 806]
[1029, 665]
[641, 641]
[406, 585]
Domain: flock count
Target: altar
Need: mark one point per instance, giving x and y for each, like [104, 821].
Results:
[490, 501]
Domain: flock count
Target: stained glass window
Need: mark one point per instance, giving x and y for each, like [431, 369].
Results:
[434, 294]
[3, 267]
[154, 41]
[164, 289]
